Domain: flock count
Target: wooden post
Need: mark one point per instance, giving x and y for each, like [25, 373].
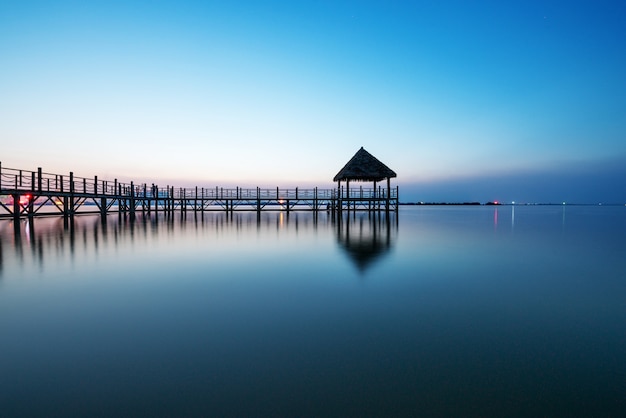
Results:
[388, 194]
[71, 203]
[39, 179]
[166, 193]
[339, 196]
[120, 203]
[132, 199]
[17, 209]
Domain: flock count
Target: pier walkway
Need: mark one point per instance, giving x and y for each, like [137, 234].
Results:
[25, 193]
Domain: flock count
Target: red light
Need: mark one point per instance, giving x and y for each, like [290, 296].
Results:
[24, 200]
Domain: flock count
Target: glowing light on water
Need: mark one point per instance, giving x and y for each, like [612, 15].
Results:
[512, 216]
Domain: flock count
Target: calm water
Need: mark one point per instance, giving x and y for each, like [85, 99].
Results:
[466, 311]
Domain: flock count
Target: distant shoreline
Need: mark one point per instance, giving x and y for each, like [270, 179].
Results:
[504, 204]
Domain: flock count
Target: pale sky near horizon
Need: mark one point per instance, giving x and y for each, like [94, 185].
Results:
[464, 100]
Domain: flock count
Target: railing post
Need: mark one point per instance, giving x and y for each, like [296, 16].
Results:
[132, 198]
[70, 205]
[120, 205]
[39, 179]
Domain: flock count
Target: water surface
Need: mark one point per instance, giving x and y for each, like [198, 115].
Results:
[466, 311]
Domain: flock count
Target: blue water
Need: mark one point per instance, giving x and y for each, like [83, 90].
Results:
[453, 311]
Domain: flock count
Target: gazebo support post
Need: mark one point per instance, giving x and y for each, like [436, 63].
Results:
[388, 194]
[339, 203]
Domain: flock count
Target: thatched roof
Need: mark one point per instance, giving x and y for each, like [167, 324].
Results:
[364, 167]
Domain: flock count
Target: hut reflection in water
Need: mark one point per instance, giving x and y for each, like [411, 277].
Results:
[367, 236]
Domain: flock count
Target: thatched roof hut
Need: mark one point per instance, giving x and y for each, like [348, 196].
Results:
[364, 167]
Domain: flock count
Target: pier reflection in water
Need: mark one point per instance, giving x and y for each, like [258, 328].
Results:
[44, 242]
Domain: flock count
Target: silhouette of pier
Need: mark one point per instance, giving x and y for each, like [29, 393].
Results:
[25, 193]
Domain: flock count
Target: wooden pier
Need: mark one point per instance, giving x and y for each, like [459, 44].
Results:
[25, 193]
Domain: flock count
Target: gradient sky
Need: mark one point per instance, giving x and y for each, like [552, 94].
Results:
[465, 100]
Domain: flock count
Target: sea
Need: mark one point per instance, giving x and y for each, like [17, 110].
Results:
[428, 311]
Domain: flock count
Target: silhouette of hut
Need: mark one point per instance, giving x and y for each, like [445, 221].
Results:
[364, 167]
[366, 239]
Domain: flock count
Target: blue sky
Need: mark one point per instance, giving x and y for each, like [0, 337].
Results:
[465, 100]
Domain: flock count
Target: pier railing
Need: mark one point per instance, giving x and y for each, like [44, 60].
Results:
[30, 193]
[17, 180]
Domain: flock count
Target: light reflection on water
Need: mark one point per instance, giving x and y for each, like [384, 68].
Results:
[440, 310]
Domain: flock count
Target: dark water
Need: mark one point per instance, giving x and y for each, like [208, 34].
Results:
[453, 311]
